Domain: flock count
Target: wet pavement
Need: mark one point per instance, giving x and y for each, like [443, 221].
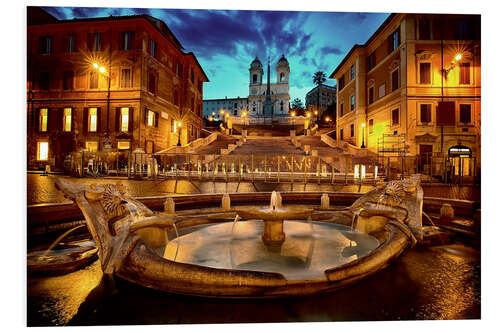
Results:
[441, 282]
[41, 189]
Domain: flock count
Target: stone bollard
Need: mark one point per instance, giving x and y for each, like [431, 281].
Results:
[169, 206]
[446, 212]
[226, 202]
[325, 201]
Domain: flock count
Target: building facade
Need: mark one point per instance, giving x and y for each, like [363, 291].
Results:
[109, 84]
[414, 87]
[320, 98]
[255, 102]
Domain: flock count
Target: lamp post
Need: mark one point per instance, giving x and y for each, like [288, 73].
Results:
[293, 120]
[179, 125]
[315, 116]
[244, 115]
[102, 70]
[363, 138]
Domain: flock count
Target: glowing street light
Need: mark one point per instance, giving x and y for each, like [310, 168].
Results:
[363, 138]
[244, 115]
[458, 57]
[96, 65]
[102, 69]
[179, 125]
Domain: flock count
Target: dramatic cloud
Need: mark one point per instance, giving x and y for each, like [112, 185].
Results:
[226, 41]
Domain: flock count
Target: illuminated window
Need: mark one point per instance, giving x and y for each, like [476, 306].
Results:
[42, 153]
[123, 145]
[173, 125]
[42, 121]
[93, 120]
[67, 120]
[191, 130]
[151, 118]
[92, 145]
[124, 119]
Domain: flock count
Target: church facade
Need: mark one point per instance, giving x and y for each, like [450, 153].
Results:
[260, 90]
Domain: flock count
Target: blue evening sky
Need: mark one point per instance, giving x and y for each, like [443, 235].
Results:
[226, 41]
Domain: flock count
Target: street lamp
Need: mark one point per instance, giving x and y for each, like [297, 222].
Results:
[293, 120]
[179, 125]
[102, 70]
[363, 138]
[244, 115]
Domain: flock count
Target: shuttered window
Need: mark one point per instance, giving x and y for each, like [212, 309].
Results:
[425, 113]
[464, 73]
[425, 73]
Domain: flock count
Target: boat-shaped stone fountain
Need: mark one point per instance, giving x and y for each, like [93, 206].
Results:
[274, 251]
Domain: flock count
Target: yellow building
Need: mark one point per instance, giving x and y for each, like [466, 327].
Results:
[414, 89]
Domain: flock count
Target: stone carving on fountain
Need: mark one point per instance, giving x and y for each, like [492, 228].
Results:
[113, 218]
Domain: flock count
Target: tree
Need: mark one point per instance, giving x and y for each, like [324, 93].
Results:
[319, 77]
[297, 104]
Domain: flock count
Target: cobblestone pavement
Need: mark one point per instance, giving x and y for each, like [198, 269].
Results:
[41, 189]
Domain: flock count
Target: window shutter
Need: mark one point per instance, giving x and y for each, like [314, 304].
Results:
[37, 122]
[131, 120]
[99, 120]
[59, 120]
[445, 114]
[52, 121]
[117, 119]
[146, 116]
[157, 118]
[85, 121]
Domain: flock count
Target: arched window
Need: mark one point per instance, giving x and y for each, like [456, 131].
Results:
[282, 77]
[254, 78]
[281, 105]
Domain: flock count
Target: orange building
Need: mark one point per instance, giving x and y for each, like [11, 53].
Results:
[414, 89]
[108, 84]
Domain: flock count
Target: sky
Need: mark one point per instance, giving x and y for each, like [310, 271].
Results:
[226, 41]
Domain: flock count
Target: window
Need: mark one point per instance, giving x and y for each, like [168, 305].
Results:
[370, 126]
[123, 145]
[381, 90]
[42, 150]
[282, 77]
[465, 113]
[127, 40]
[44, 81]
[341, 134]
[352, 72]
[151, 119]
[341, 109]
[395, 79]
[395, 117]
[67, 119]
[96, 42]
[370, 95]
[152, 83]
[176, 98]
[352, 102]
[94, 80]
[425, 113]
[173, 125]
[424, 29]
[92, 145]
[425, 72]
[42, 120]
[281, 106]
[68, 80]
[179, 69]
[71, 43]
[152, 48]
[371, 61]
[254, 78]
[352, 130]
[124, 119]
[341, 82]
[393, 42]
[45, 46]
[93, 119]
[192, 75]
[464, 73]
[149, 147]
[191, 130]
[125, 78]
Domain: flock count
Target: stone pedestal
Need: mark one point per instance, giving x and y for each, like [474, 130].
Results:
[292, 133]
[273, 232]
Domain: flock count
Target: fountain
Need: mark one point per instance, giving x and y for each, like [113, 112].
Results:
[273, 218]
[275, 251]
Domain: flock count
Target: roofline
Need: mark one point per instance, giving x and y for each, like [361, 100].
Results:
[358, 46]
[117, 18]
[223, 99]
[196, 59]
[321, 85]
